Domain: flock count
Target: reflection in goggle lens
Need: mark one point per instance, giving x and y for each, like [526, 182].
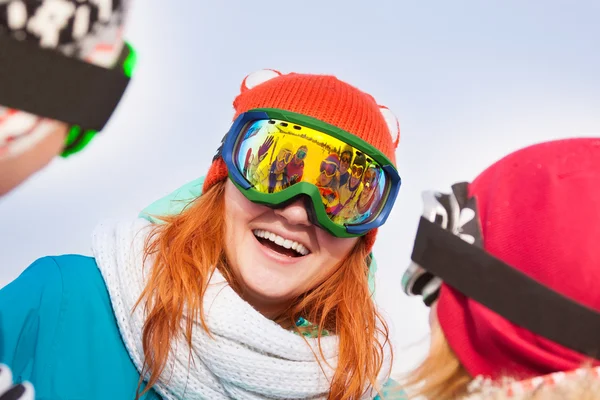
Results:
[357, 170]
[265, 145]
[370, 177]
[328, 168]
[284, 156]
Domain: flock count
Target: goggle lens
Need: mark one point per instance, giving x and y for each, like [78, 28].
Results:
[328, 168]
[357, 171]
[264, 154]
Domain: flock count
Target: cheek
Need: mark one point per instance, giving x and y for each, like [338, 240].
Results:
[237, 216]
[238, 209]
[334, 249]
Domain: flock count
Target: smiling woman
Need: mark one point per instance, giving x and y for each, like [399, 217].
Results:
[256, 288]
[277, 254]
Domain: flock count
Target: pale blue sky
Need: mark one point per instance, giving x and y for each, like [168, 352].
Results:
[469, 80]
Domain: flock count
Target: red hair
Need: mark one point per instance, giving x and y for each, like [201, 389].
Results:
[185, 251]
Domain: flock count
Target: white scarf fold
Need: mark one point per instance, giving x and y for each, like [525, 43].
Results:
[248, 356]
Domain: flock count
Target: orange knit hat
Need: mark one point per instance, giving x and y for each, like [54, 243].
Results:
[323, 97]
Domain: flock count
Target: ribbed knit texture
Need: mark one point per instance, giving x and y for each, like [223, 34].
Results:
[540, 213]
[323, 97]
[248, 357]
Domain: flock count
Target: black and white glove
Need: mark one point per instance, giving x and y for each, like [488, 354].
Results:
[10, 391]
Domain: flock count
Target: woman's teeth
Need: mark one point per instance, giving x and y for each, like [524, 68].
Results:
[285, 243]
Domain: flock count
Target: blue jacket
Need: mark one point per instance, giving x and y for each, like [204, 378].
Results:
[58, 331]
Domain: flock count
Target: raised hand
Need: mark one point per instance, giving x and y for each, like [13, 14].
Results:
[264, 148]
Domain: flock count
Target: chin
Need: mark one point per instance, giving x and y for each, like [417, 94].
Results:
[266, 286]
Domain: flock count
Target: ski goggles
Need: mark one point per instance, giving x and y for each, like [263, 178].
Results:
[49, 84]
[329, 168]
[448, 250]
[275, 156]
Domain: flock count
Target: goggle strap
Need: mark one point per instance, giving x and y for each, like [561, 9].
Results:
[485, 279]
[47, 83]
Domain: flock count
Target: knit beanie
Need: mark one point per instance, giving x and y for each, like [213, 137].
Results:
[539, 211]
[333, 159]
[347, 149]
[323, 97]
[360, 160]
[87, 30]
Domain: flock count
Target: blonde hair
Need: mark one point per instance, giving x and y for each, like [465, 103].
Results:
[441, 376]
[188, 247]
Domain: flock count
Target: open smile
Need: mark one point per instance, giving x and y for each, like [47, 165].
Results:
[281, 245]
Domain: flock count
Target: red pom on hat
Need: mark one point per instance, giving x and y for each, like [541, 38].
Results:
[540, 213]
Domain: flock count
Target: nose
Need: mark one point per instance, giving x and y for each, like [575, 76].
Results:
[295, 213]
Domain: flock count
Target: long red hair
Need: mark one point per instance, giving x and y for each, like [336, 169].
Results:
[186, 249]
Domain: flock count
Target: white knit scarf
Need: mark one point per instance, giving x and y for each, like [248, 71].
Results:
[248, 356]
